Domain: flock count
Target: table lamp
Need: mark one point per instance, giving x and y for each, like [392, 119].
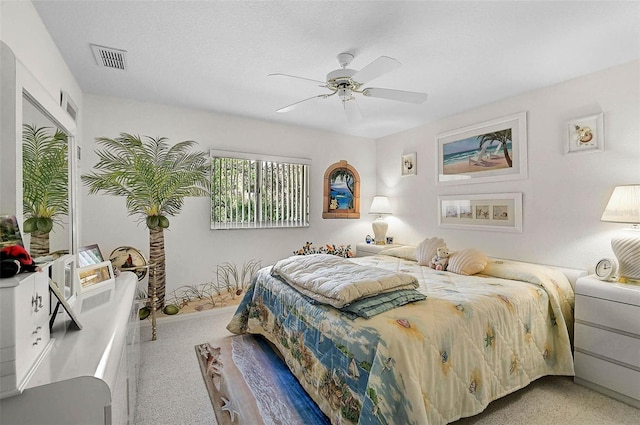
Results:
[381, 207]
[624, 207]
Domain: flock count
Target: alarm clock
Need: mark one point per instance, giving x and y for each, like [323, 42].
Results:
[606, 269]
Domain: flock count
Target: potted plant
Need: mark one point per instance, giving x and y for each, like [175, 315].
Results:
[45, 183]
[155, 178]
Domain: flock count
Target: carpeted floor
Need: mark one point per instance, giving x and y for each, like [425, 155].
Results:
[171, 389]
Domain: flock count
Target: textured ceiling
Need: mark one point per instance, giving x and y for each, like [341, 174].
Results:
[216, 55]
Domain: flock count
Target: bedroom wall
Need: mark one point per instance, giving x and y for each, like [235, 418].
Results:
[26, 38]
[563, 196]
[192, 249]
[23, 31]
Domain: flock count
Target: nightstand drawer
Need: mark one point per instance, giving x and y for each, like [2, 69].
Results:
[608, 314]
[609, 375]
[621, 348]
[612, 291]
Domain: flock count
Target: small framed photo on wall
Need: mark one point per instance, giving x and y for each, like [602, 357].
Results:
[409, 165]
[585, 134]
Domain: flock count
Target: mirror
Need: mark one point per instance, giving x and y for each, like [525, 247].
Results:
[24, 100]
[45, 181]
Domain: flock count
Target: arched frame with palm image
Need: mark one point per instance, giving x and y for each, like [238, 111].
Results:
[341, 191]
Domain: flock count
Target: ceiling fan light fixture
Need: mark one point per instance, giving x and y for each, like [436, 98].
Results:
[345, 94]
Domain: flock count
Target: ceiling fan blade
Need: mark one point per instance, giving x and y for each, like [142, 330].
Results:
[295, 76]
[352, 111]
[375, 69]
[295, 105]
[399, 95]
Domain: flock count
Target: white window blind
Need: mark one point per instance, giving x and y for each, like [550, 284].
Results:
[257, 191]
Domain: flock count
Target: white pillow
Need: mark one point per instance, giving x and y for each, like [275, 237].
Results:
[426, 250]
[467, 262]
[406, 252]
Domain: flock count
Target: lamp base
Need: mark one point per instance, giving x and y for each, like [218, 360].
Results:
[380, 231]
[627, 251]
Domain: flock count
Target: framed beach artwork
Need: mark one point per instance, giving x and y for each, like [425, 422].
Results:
[341, 191]
[501, 212]
[585, 134]
[409, 164]
[488, 152]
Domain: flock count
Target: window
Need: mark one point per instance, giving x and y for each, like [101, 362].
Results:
[257, 191]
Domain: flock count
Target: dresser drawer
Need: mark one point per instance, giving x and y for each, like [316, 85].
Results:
[621, 348]
[24, 328]
[609, 375]
[610, 314]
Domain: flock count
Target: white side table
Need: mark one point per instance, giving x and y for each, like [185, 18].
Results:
[607, 338]
[366, 249]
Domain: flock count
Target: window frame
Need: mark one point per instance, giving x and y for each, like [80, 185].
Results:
[258, 221]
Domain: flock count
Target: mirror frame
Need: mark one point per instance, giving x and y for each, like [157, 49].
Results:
[27, 86]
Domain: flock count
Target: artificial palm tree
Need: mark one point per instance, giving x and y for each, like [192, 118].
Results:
[45, 183]
[155, 178]
[503, 137]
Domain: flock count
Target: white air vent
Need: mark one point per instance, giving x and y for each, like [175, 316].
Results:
[109, 57]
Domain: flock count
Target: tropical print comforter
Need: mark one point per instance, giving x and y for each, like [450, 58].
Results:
[473, 340]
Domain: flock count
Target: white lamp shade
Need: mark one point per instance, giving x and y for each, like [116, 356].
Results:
[624, 205]
[380, 205]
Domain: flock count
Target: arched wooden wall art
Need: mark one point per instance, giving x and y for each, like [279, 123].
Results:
[341, 191]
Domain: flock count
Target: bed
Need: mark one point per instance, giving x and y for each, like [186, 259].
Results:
[473, 340]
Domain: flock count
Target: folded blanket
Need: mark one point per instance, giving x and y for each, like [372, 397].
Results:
[371, 306]
[338, 281]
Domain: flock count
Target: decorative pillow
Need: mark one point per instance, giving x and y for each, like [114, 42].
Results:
[405, 252]
[467, 262]
[427, 249]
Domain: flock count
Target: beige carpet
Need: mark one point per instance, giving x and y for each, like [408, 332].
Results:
[171, 389]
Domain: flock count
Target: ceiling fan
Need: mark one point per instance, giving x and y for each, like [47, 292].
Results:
[346, 82]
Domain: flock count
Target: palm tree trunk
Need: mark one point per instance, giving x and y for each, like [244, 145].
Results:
[157, 276]
[506, 154]
[39, 245]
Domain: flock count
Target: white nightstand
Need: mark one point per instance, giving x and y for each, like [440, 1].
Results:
[607, 338]
[367, 249]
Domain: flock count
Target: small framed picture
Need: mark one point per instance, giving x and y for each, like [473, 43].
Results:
[95, 276]
[585, 134]
[55, 290]
[9, 231]
[409, 165]
[89, 255]
[500, 212]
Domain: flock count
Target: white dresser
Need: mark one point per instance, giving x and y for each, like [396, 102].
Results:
[24, 328]
[89, 376]
[607, 338]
